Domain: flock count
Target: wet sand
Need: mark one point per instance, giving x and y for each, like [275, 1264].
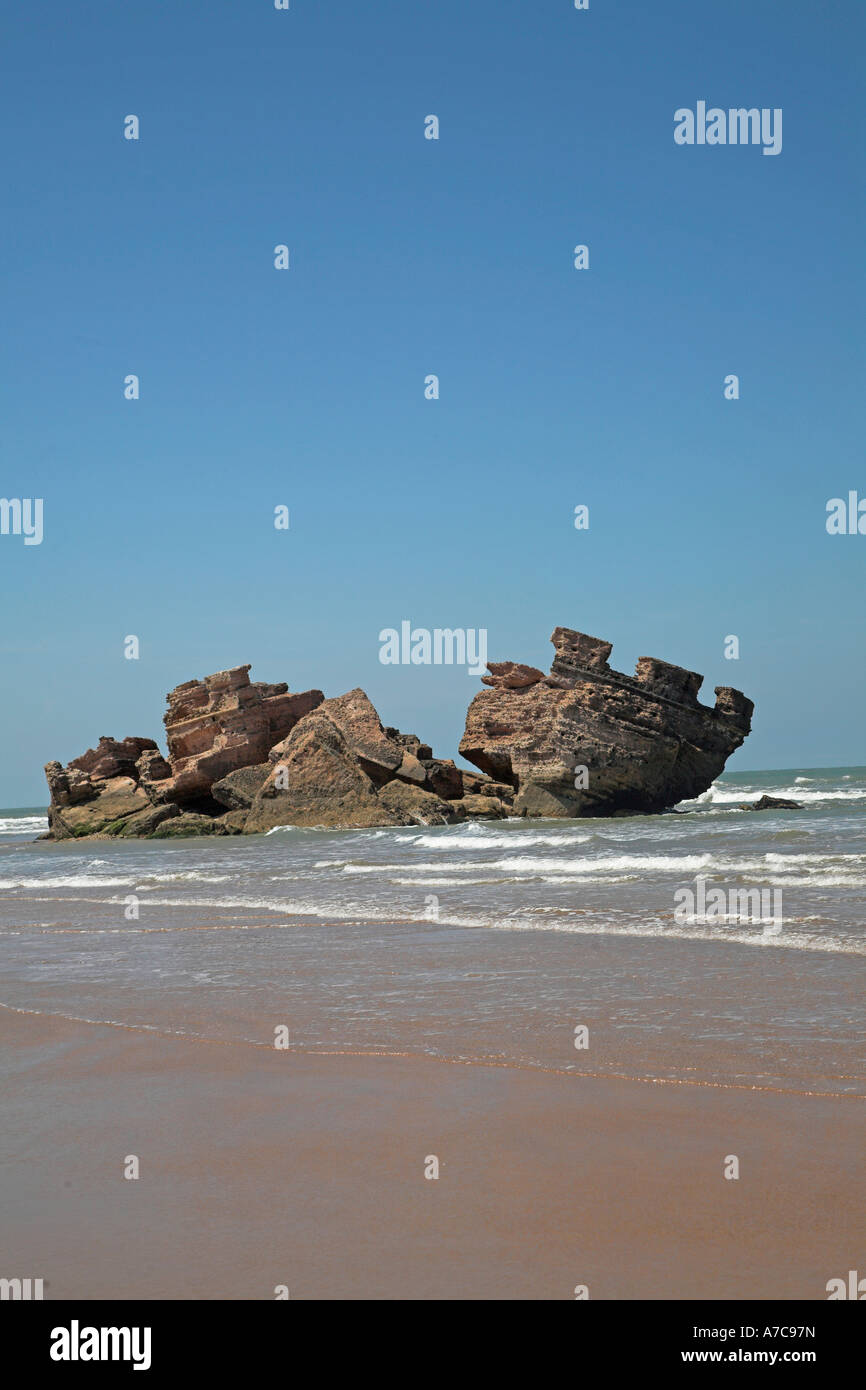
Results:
[262, 1167]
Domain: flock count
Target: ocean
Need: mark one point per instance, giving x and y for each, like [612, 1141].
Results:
[488, 941]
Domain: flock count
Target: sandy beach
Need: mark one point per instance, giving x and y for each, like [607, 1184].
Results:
[261, 1167]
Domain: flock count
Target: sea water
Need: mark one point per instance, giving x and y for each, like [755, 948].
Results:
[552, 944]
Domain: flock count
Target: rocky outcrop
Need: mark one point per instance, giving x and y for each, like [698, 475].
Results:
[215, 728]
[248, 757]
[510, 675]
[98, 790]
[340, 767]
[105, 809]
[185, 823]
[588, 741]
[111, 758]
[418, 806]
[484, 807]
[224, 722]
[238, 790]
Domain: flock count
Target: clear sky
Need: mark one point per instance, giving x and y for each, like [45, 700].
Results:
[410, 257]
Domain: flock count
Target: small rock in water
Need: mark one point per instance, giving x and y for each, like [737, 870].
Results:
[773, 803]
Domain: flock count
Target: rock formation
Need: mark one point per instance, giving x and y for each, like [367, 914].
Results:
[644, 740]
[340, 767]
[100, 792]
[222, 723]
[249, 757]
[246, 756]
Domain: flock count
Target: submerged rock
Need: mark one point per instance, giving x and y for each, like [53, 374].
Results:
[589, 741]
[772, 803]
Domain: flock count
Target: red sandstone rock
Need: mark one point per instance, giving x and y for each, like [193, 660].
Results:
[317, 778]
[214, 727]
[340, 767]
[111, 758]
[152, 768]
[97, 789]
[645, 740]
[444, 778]
[217, 725]
[379, 755]
[510, 675]
[284, 759]
[106, 811]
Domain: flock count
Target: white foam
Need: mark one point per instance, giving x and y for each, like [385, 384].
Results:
[86, 880]
[68, 881]
[23, 825]
[187, 875]
[439, 882]
[607, 864]
[725, 794]
[517, 838]
[858, 859]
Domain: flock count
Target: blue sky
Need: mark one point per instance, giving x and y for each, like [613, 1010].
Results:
[409, 257]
